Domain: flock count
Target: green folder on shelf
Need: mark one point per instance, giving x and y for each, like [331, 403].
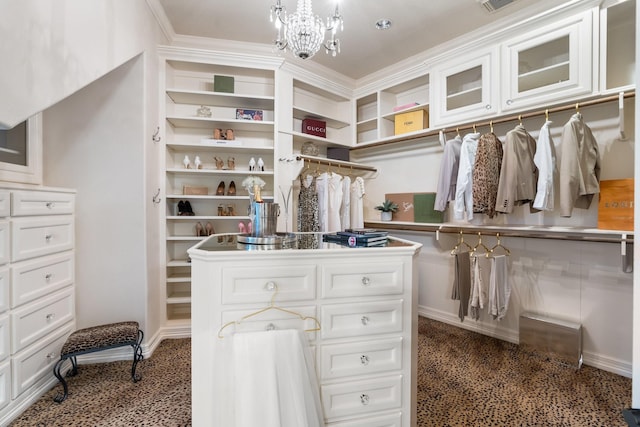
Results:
[223, 84]
[423, 211]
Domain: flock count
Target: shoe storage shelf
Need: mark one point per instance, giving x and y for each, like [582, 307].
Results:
[218, 130]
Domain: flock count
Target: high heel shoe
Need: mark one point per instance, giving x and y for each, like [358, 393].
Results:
[199, 229]
[260, 164]
[220, 190]
[232, 189]
[209, 229]
[252, 164]
[231, 162]
[231, 210]
[219, 162]
[180, 208]
[188, 211]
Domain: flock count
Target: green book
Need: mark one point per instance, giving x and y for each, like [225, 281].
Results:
[223, 83]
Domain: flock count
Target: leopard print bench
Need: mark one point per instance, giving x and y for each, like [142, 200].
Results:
[98, 338]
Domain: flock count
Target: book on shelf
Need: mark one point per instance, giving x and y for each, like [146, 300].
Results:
[366, 232]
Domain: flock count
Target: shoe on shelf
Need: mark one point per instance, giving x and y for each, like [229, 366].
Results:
[219, 162]
[208, 228]
[188, 211]
[231, 210]
[220, 190]
[231, 163]
[232, 189]
[252, 164]
[180, 208]
[220, 210]
[199, 229]
[260, 164]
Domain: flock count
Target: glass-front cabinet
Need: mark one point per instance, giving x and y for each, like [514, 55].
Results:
[618, 45]
[464, 89]
[551, 63]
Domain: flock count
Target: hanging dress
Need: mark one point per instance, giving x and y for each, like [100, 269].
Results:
[308, 212]
[345, 209]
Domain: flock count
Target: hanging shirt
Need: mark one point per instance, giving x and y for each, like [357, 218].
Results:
[446, 190]
[463, 202]
[518, 174]
[322, 188]
[486, 174]
[357, 208]
[579, 166]
[334, 202]
[545, 160]
[345, 209]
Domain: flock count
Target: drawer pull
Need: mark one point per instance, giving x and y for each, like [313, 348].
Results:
[48, 276]
[51, 355]
[364, 359]
[50, 317]
[366, 281]
[50, 205]
[48, 237]
[270, 286]
[364, 399]
[364, 320]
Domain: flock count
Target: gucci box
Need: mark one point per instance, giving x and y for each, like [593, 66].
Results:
[314, 127]
[615, 207]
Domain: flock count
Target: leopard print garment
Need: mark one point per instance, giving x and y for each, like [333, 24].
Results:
[486, 174]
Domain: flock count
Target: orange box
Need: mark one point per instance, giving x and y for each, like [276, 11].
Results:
[411, 121]
[405, 206]
[615, 206]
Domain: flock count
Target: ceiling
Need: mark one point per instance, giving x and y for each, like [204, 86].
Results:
[417, 25]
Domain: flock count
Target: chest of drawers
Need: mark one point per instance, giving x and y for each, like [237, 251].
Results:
[365, 300]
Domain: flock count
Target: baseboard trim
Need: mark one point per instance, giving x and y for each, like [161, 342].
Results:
[616, 366]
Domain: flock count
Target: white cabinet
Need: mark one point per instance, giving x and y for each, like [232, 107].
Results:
[466, 87]
[198, 123]
[364, 299]
[550, 64]
[617, 45]
[37, 296]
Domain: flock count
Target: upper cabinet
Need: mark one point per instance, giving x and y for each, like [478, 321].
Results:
[465, 87]
[618, 45]
[552, 63]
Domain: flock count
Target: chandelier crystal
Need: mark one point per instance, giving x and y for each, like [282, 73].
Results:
[303, 32]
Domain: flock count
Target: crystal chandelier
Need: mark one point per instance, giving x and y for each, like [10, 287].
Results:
[303, 31]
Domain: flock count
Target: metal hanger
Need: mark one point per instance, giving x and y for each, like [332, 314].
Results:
[499, 245]
[481, 245]
[461, 242]
[272, 306]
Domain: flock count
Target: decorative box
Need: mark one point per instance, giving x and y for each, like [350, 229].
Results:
[423, 204]
[405, 206]
[615, 207]
[223, 84]
[338, 153]
[411, 121]
[243, 114]
[189, 190]
[314, 127]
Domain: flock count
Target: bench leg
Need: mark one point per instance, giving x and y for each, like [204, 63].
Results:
[59, 398]
[137, 356]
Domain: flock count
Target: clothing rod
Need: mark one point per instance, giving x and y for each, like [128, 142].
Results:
[332, 162]
[560, 233]
[497, 120]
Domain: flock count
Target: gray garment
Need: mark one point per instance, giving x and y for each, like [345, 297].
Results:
[579, 166]
[462, 283]
[446, 190]
[518, 174]
[499, 287]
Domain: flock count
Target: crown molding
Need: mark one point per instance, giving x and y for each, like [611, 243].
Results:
[165, 26]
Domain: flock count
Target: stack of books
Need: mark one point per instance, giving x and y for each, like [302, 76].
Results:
[358, 237]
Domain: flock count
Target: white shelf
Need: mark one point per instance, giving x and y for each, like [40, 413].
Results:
[210, 123]
[217, 172]
[303, 137]
[200, 97]
[206, 217]
[301, 114]
[187, 146]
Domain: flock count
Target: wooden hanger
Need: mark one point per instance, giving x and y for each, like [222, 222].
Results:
[272, 306]
[461, 242]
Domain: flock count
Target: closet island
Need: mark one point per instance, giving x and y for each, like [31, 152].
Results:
[358, 306]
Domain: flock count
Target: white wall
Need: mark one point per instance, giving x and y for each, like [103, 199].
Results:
[577, 281]
[50, 49]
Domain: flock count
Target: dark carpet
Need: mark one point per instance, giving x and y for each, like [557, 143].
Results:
[464, 379]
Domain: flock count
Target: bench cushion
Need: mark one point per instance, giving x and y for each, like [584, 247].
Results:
[100, 337]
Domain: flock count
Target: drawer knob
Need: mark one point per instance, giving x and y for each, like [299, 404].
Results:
[51, 355]
[48, 237]
[49, 205]
[270, 286]
[366, 281]
[364, 359]
[364, 399]
[50, 317]
[364, 320]
[48, 276]
[488, 106]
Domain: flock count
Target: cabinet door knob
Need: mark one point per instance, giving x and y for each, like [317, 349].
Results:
[509, 101]
[270, 286]
[364, 399]
[364, 320]
[365, 281]
[49, 205]
[48, 237]
[48, 276]
[50, 317]
[364, 359]
[488, 106]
